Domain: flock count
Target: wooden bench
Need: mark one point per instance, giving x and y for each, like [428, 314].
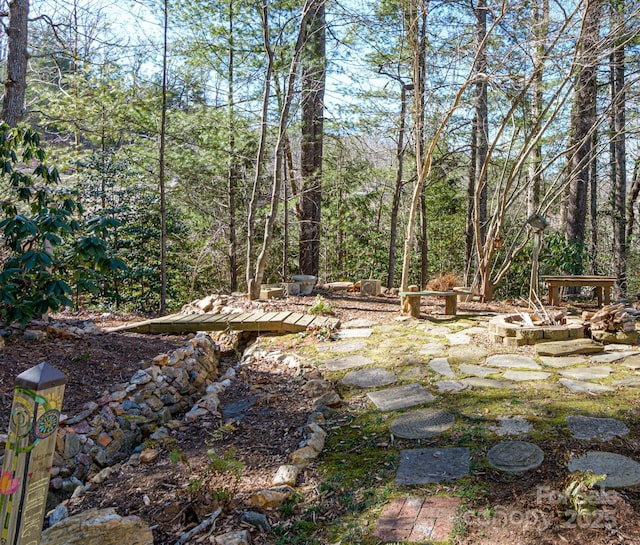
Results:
[450, 300]
[602, 284]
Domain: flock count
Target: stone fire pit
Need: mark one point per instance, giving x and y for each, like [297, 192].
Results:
[512, 330]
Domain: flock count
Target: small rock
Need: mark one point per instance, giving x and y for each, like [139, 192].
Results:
[257, 520]
[316, 441]
[286, 475]
[330, 399]
[149, 455]
[239, 537]
[34, 335]
[303, 456]
[59, 513]
[317, 387]
[270, 498]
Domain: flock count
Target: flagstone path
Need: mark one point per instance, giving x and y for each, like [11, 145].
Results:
[450, 357]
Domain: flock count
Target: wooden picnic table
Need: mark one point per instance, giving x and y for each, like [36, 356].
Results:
[450, 299]
[602, 284]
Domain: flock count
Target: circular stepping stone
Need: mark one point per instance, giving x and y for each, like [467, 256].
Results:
[512, 425]
[369, 378]
[523, 376]
[422, 424]
[466, 354]
[347, 362]
[580, 387]
[621, 471]
[513, 361]
[477, 370]
[441, 365]
[401, 397]
[604, 429]
[587, 373]
[430, 465]
[450, 386]
[515, 456]
[559, 362]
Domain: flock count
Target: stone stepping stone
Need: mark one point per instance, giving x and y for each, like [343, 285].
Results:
[588, 427]
[450, 386]
[475, 330]
[610, 357]
[477, 370]
[559, 362]
[369, 378]
[422, 424]
[466, 354]
[435, 330]
[513, 361]
[511, 425]
[340, 347]
[587, 373]
[480, 382]
[431, 349]
[515, 456]
[360, 323]
[459, 338]
[401, 397]
[347, 362]
[441, 365]
[567, 348]
[628, 382]
[356, 333]
[580, 387]
[416, 372]
[632, 362]
[621, 471]
[430, 465]
[523, 376]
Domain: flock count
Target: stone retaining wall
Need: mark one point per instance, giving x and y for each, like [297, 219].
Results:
[109, 429]
[511, 332]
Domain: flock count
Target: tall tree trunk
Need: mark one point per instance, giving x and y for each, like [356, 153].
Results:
[260, 157]
[15, 85]
[161, 157]
[471, 191]
[232, 173]
[313, 85]
[582, 124]
[482, 119]
[618, 103]
[632, 198]
[593, 208]
[397, 193]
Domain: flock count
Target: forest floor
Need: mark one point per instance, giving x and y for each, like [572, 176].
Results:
[174, 493]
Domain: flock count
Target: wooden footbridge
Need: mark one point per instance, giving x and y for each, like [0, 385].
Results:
[257, 320]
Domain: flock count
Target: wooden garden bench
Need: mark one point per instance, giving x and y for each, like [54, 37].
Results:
[450, 300]
[602, 284]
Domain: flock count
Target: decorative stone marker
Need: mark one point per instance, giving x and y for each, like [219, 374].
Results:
[401, 397]
[515, 456]
[588, 427]
[31, 441]
[422, 424]
[432, 465]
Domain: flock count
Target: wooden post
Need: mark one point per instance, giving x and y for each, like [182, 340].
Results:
[28, 456]
[411, 304]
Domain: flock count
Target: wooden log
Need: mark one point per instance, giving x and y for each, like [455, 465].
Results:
[411, 303]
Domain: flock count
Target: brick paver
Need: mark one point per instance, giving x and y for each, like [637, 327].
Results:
[415, 519]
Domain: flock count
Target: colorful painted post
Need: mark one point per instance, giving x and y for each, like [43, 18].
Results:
[28, 456]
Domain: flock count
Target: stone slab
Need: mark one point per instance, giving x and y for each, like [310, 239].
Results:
[347, 362]
[370, 378]
[632, 362]
[401, 397]
[560, 362]
[628, 382]
[430, 465]
[466, 354]
[611, 356]
[355, 333]
[480, 382]
[432, 349]
[451, 386]
[435, 330]
[341, 347]
[441, 366]
[513, 361]
[422, 424]
[587, 373]
[588, 427]
[358, 324]
[567, 348]
[515, 456]
[581, 387]
[459, 338]
[511, 425]
[621, 471]
[477, 370]
[523, 376]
